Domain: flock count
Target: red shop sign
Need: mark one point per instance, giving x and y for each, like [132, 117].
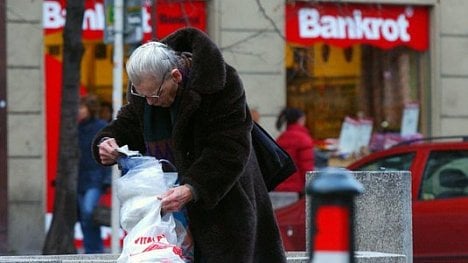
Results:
[54, 14]
[340, 24]
[171, 15]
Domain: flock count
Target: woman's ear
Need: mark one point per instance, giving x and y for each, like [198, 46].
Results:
[176, 75]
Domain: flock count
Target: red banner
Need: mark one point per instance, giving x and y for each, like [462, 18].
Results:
[343, 25]
[54, 12]
[171, 15]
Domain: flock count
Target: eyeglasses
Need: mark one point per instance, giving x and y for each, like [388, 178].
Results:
[158, 91]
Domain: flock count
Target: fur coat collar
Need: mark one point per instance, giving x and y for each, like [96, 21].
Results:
[203, 79]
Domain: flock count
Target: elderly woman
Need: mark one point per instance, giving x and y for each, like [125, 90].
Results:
[188, 106]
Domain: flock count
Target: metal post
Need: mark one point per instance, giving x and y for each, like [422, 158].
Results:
[331, 233]
[117, 103]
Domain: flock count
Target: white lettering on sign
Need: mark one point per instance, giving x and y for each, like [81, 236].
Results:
[93, 19]
[312, 25]
[54, 16]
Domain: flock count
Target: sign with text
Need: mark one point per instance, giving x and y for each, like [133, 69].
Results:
[172, 15]
[169, 16]
[133, 22]
[341, 24]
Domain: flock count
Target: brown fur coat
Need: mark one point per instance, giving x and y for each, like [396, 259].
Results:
[232, 220]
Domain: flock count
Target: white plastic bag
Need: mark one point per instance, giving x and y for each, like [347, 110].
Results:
[152, 239]
[150, 236]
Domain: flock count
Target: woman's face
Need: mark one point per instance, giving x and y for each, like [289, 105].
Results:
[162, 94]
[302, 120]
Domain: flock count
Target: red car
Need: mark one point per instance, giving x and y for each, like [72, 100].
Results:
[439, 170]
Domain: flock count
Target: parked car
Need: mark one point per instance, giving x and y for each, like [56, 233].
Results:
[439, 171]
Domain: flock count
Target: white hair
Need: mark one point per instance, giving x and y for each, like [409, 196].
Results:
[151, 59]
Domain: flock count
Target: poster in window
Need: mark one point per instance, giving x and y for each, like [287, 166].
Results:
[409, 123]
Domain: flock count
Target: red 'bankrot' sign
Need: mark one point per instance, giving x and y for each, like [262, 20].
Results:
[384, 26]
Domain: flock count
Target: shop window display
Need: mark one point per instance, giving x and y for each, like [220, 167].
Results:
[358, 61]
[331, 83]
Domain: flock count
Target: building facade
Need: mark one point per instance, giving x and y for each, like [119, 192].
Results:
[25, 106]
[252, 39]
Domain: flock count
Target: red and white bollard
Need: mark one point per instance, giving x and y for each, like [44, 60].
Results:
[331, 233]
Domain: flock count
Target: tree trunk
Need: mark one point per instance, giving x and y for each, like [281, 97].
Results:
[60, 237]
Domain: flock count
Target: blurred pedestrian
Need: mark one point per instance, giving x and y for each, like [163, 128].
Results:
[92, 177]
[106, 111]
[296, 140]
[188, 106]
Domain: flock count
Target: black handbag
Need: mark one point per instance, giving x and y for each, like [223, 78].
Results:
[275, 163]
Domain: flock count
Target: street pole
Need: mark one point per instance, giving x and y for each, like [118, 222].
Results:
[331, 234]
[116, 104]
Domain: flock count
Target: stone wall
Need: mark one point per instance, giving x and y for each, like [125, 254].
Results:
[251, 36]
[453, 72]
[26, 125]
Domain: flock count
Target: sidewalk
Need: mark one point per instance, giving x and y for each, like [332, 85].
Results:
[293, 257]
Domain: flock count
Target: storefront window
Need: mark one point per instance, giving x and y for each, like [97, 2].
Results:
[358, 61]
[360, 81]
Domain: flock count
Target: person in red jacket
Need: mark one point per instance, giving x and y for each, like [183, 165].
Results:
[296, 140]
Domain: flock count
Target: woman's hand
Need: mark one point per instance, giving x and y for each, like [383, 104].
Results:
[175, 198]
[108, 151]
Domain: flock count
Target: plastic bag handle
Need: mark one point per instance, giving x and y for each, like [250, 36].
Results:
[173, 167]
